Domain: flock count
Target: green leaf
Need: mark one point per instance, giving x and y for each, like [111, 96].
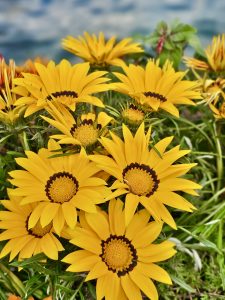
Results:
[5, 138]
[195, 43]
[174, 56]
[182, 284]
[161, 27]
[169, 45]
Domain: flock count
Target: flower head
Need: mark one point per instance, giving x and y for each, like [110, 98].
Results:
[157, 88]
[83, 130]
[59, 186]
[147, 177]
[133, 115]
[29, 65]
[22, 240]
[62, 83]
[9, 113]
[122, 258]
[215, 56]
[99, 52]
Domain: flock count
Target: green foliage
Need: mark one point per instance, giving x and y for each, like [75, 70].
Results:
[169, 41]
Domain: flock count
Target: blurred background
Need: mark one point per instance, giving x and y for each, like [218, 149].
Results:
[29, 28]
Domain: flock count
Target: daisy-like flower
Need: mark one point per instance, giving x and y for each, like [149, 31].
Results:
[99, 52]
[122, 258]
[29, 65]
[58, 185]
[61, 83]
[22, 240]
[146, 177]
[84, 130]
[215, 56]
[9, 113]
[157, 88]
[133, 115]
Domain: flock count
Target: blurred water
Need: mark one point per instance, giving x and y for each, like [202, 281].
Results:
[35, 27]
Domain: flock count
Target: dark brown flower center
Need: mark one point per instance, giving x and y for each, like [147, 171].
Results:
[70, 94]
[157, 96]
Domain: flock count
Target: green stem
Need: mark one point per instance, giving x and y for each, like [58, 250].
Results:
[13, 280]
[219, 159]
[24, 141]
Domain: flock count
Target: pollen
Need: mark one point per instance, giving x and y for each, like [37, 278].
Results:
[133, 114]
[141, 179]
[86, 133]
[119, 255]
[39, 231]
[61, 187]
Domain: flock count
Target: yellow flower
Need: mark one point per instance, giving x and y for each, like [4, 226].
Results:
[215, 56]
[60, 83]
[23, 240]
[133, 115]
[29, 65]
[157, 88]
[146, 177]
[59, 185]
[213, 90]
[122, 258]
[84, 130]
[9, 113]
[99, 52]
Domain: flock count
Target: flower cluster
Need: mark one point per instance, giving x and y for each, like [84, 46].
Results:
[100, 181]
[212, 82]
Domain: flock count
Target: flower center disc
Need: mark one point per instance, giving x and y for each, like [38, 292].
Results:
[141, 179]
[133, 114]
[119, 255]
[61, 187]
[39, 231]
[86, 134]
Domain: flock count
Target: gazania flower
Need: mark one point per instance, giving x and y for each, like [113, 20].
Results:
[213, 89]
[58, 185]
[215, 56]
[133, 115]
[146, 177]
[99, 52]
[84, 130]
[157, 88]
[9, 113]
[60, 83]
[8, 69]
[122, 258]
[22, 240]
[29, 65]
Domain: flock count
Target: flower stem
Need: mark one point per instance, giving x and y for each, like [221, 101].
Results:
[24, 141]
[219, 159]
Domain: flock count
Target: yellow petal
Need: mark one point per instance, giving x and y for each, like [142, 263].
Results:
[155, 272]
[98, 270]
[145, 284]
[70, 214]
[99, 224]
[130, 288]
